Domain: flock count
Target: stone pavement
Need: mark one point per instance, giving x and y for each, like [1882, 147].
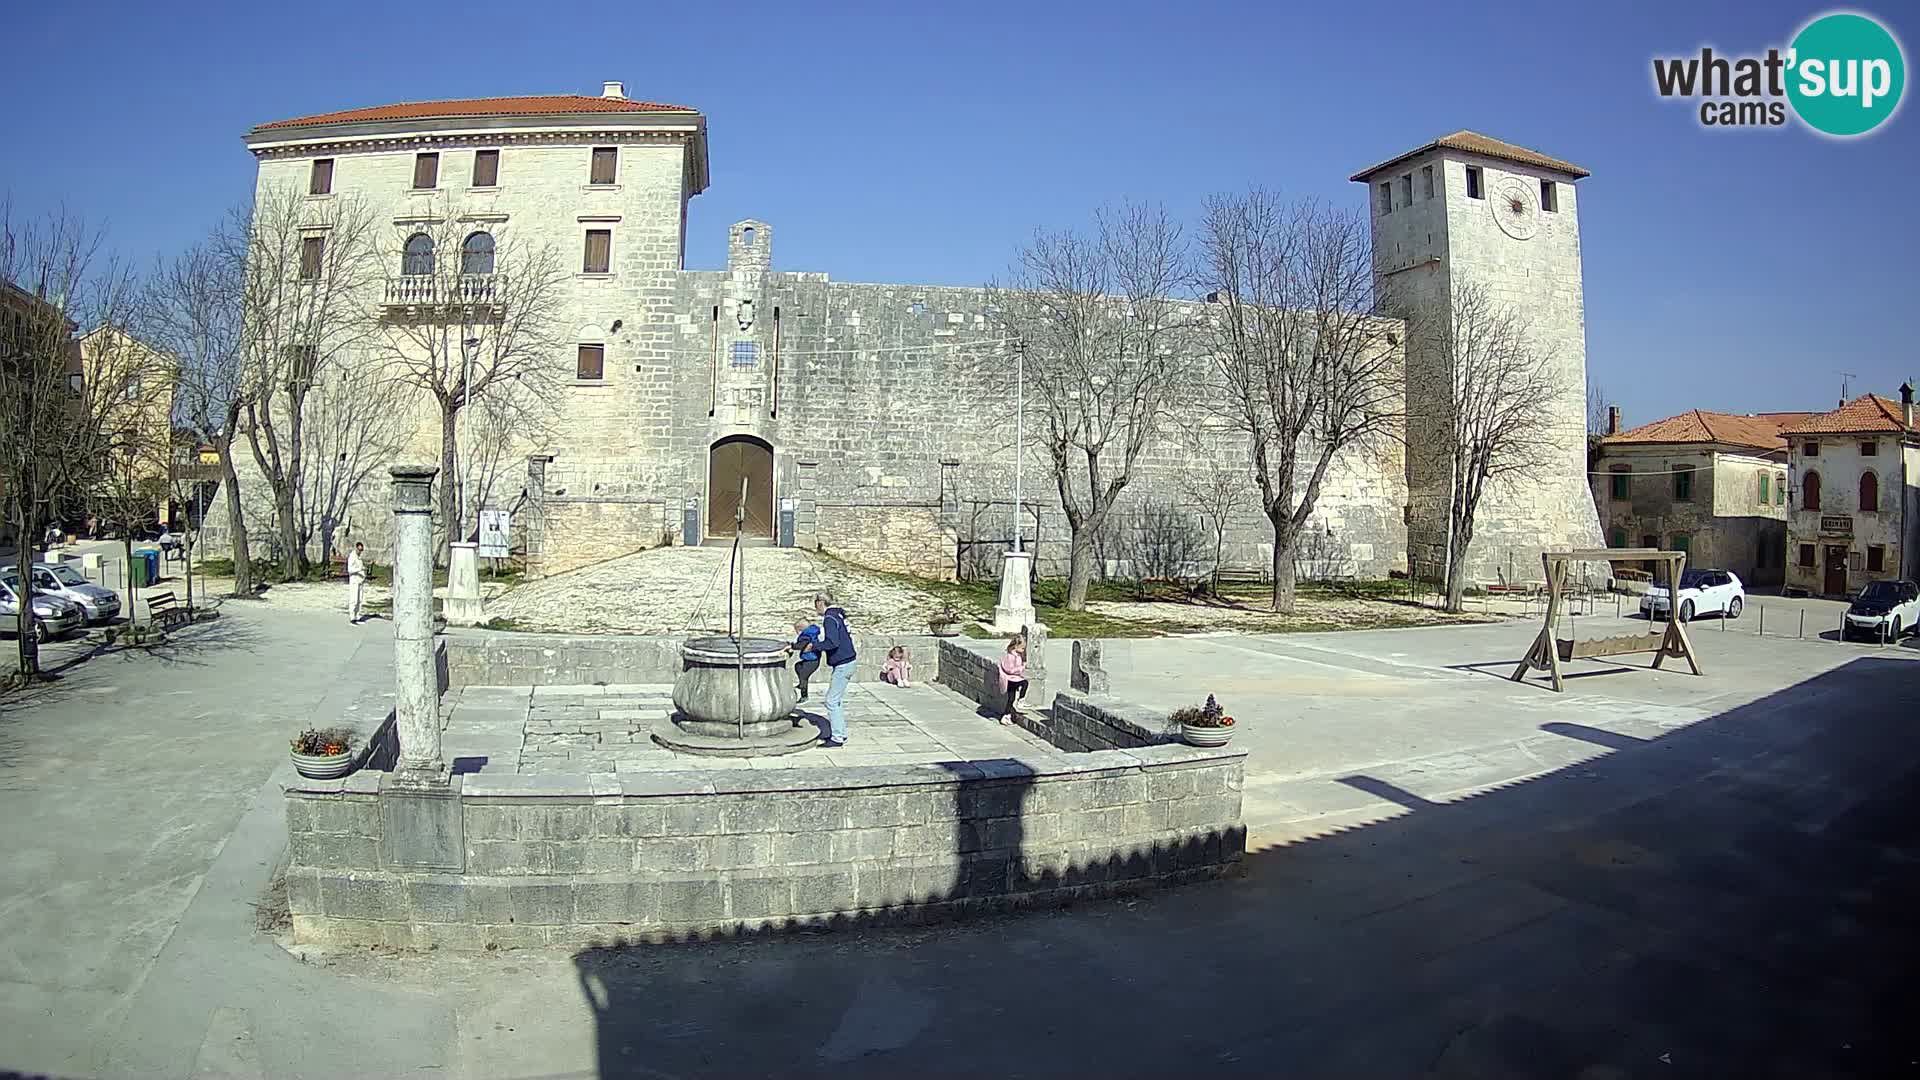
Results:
[603, 729]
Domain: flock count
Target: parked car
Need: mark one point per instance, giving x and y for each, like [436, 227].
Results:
[100, 604]
[1701, 592]
[1883, 609]
[53, 616]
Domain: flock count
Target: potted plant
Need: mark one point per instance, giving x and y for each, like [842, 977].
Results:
[1204, 725]
[944, 620]
[323, 753]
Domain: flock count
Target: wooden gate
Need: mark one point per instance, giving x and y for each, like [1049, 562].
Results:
[731, 460]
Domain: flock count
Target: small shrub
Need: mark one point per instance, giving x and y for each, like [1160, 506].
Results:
[323, 742]
[1209, 715]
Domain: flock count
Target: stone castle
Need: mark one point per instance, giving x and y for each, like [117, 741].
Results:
[844, 406]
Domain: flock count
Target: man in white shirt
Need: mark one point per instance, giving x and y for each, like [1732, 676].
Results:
[356, 581]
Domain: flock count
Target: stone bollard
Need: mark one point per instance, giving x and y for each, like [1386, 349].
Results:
[1089, 675]
[1036, 635]
[464, 606]
[416, 680]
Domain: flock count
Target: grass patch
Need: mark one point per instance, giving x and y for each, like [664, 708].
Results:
[502, 622]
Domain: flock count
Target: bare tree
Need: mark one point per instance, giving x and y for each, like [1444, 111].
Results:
[136, 419]
[1162, 542]
[311, 272]
[193, 313]
[472, 316]
[1599, 409]
[1220, 494]
[1109, 353]
[53, 282]
[1308, 367]
[1497, 398]
[357, 423]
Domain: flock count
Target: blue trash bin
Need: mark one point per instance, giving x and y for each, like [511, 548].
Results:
[152, 559]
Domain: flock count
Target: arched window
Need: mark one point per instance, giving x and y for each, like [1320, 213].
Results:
[476, 255]
[418, 258]
[1869, 491]
[1810, 491]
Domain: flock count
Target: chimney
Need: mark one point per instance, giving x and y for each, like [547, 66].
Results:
[1906, 403]
[614, 90]
[1613, 419]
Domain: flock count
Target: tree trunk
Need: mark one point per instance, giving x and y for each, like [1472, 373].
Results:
[29, 649]
[1285, 539]
[236, 522]
[449, 510]
[1079, 567]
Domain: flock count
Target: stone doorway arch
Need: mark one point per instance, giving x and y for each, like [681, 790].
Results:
[729, 461]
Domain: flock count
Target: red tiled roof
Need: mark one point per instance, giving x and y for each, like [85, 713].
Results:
[1868, 412]
[541, 105]
[1475, 143]
[1700, 426]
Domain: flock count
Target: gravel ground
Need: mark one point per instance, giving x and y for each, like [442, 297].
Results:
[1309, 614]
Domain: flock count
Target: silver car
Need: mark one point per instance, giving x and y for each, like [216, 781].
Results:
[100, 604]
[53, 616]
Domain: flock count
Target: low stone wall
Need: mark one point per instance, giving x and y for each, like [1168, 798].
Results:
[503, 658]
[1098, 722]
[535, 860]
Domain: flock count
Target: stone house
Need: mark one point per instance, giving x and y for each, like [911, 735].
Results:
[137, 386]
[27, 323]
[1855, 496]
[855, 413]
[1708, 483]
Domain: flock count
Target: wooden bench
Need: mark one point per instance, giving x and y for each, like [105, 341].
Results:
[164, 611]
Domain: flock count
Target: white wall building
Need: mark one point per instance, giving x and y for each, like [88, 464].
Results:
[1855, 496]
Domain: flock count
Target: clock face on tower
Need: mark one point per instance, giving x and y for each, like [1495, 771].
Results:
[1514, 208]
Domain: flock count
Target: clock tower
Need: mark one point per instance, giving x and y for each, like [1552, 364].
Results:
[1466, 209]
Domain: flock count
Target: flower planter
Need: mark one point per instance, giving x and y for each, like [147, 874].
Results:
[323, 766]
[1205, 736]
[944, 629]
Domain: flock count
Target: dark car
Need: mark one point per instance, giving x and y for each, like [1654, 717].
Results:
[1883, 610]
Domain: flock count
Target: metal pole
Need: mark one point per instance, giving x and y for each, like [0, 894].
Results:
[1803, 624]
[1019, 433]
[1763, 620]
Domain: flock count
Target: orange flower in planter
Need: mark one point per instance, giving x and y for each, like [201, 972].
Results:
[1226, 721]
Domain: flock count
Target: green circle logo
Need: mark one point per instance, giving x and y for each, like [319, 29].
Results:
[1846, 74]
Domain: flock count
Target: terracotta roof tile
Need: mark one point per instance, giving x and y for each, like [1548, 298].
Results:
[1868, 412]
[541, 105]
[1475, 143]
[1700, 426]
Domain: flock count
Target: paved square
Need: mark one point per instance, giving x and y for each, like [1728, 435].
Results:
[540, 730]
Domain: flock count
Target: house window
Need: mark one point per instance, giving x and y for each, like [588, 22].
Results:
[1681, 541]
[591, 365]
[320, 180]
[745, 353]
[1811, 449]
[1426, 181]
[313, 252]
[1650, 542]
[1810, 492]
[1806, 556]
[606, 160]
[1683, 483]
[1869, 449]
[426, 171]
[1386, 198]
[476, 254]
[486, 168]
[417, 258]
[1617, 538]
[1473, 183]
[1765, 494]
[1549, 196]
[599, 258]
[1779, 489]
[1622, 481]
[1876, 557]
[1869, 492]
[1406, 190]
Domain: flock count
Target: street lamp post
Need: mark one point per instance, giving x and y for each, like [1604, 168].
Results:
[1019, 433]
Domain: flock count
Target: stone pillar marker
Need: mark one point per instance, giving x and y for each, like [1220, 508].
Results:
[464, 607]
[416, 679]
[1014, 612]
[1089, 674]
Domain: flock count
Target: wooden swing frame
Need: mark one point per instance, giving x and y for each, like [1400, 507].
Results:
[1547, 651]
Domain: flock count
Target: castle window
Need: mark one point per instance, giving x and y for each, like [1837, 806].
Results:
[1386, 198]
[476, 254]
[745, 353]
[1683, 483]
[320, 180]
[1811, 449]
[1869, 449]
[599, 256]
[1406, 190]
[1869, 492]
[591, 364]
[313, 252]
[1473, 183]
[1426, 181]
[746, 236]
[426, 171]
[417, 258]
[1764, 499]
[606, 160]
[1810, 492]
[1549, 196]
[486, 168]
[1622, 482]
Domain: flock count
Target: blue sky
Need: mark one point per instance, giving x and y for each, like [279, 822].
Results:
[1738, 271]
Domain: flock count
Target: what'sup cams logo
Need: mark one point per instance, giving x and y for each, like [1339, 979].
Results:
[1842, 76]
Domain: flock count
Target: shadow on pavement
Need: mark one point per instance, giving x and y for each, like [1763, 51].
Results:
[1734, 898]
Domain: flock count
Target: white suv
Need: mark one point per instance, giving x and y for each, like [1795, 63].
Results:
[1701, 592]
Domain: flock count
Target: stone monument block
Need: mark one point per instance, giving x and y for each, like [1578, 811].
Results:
[1089, 675]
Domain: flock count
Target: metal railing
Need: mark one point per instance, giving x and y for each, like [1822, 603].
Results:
[436, 289]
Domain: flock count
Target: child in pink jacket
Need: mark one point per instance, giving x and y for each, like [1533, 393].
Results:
[1013, 674]
[898, 670]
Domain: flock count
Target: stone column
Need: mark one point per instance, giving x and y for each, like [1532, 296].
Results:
[416, 680]
[1014, 612]
[463, 607]
[1089, 674]
[535, 516]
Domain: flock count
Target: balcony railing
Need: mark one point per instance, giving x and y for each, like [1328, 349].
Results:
[434, 290]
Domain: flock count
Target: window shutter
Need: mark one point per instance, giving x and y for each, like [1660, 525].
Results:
[599, 251]
[321, 182]
[605, 163]
[486, 168]
[313, 250]
[426, 170]
[592, 362]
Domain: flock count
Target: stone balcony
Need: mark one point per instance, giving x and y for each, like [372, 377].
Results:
[442, 290]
